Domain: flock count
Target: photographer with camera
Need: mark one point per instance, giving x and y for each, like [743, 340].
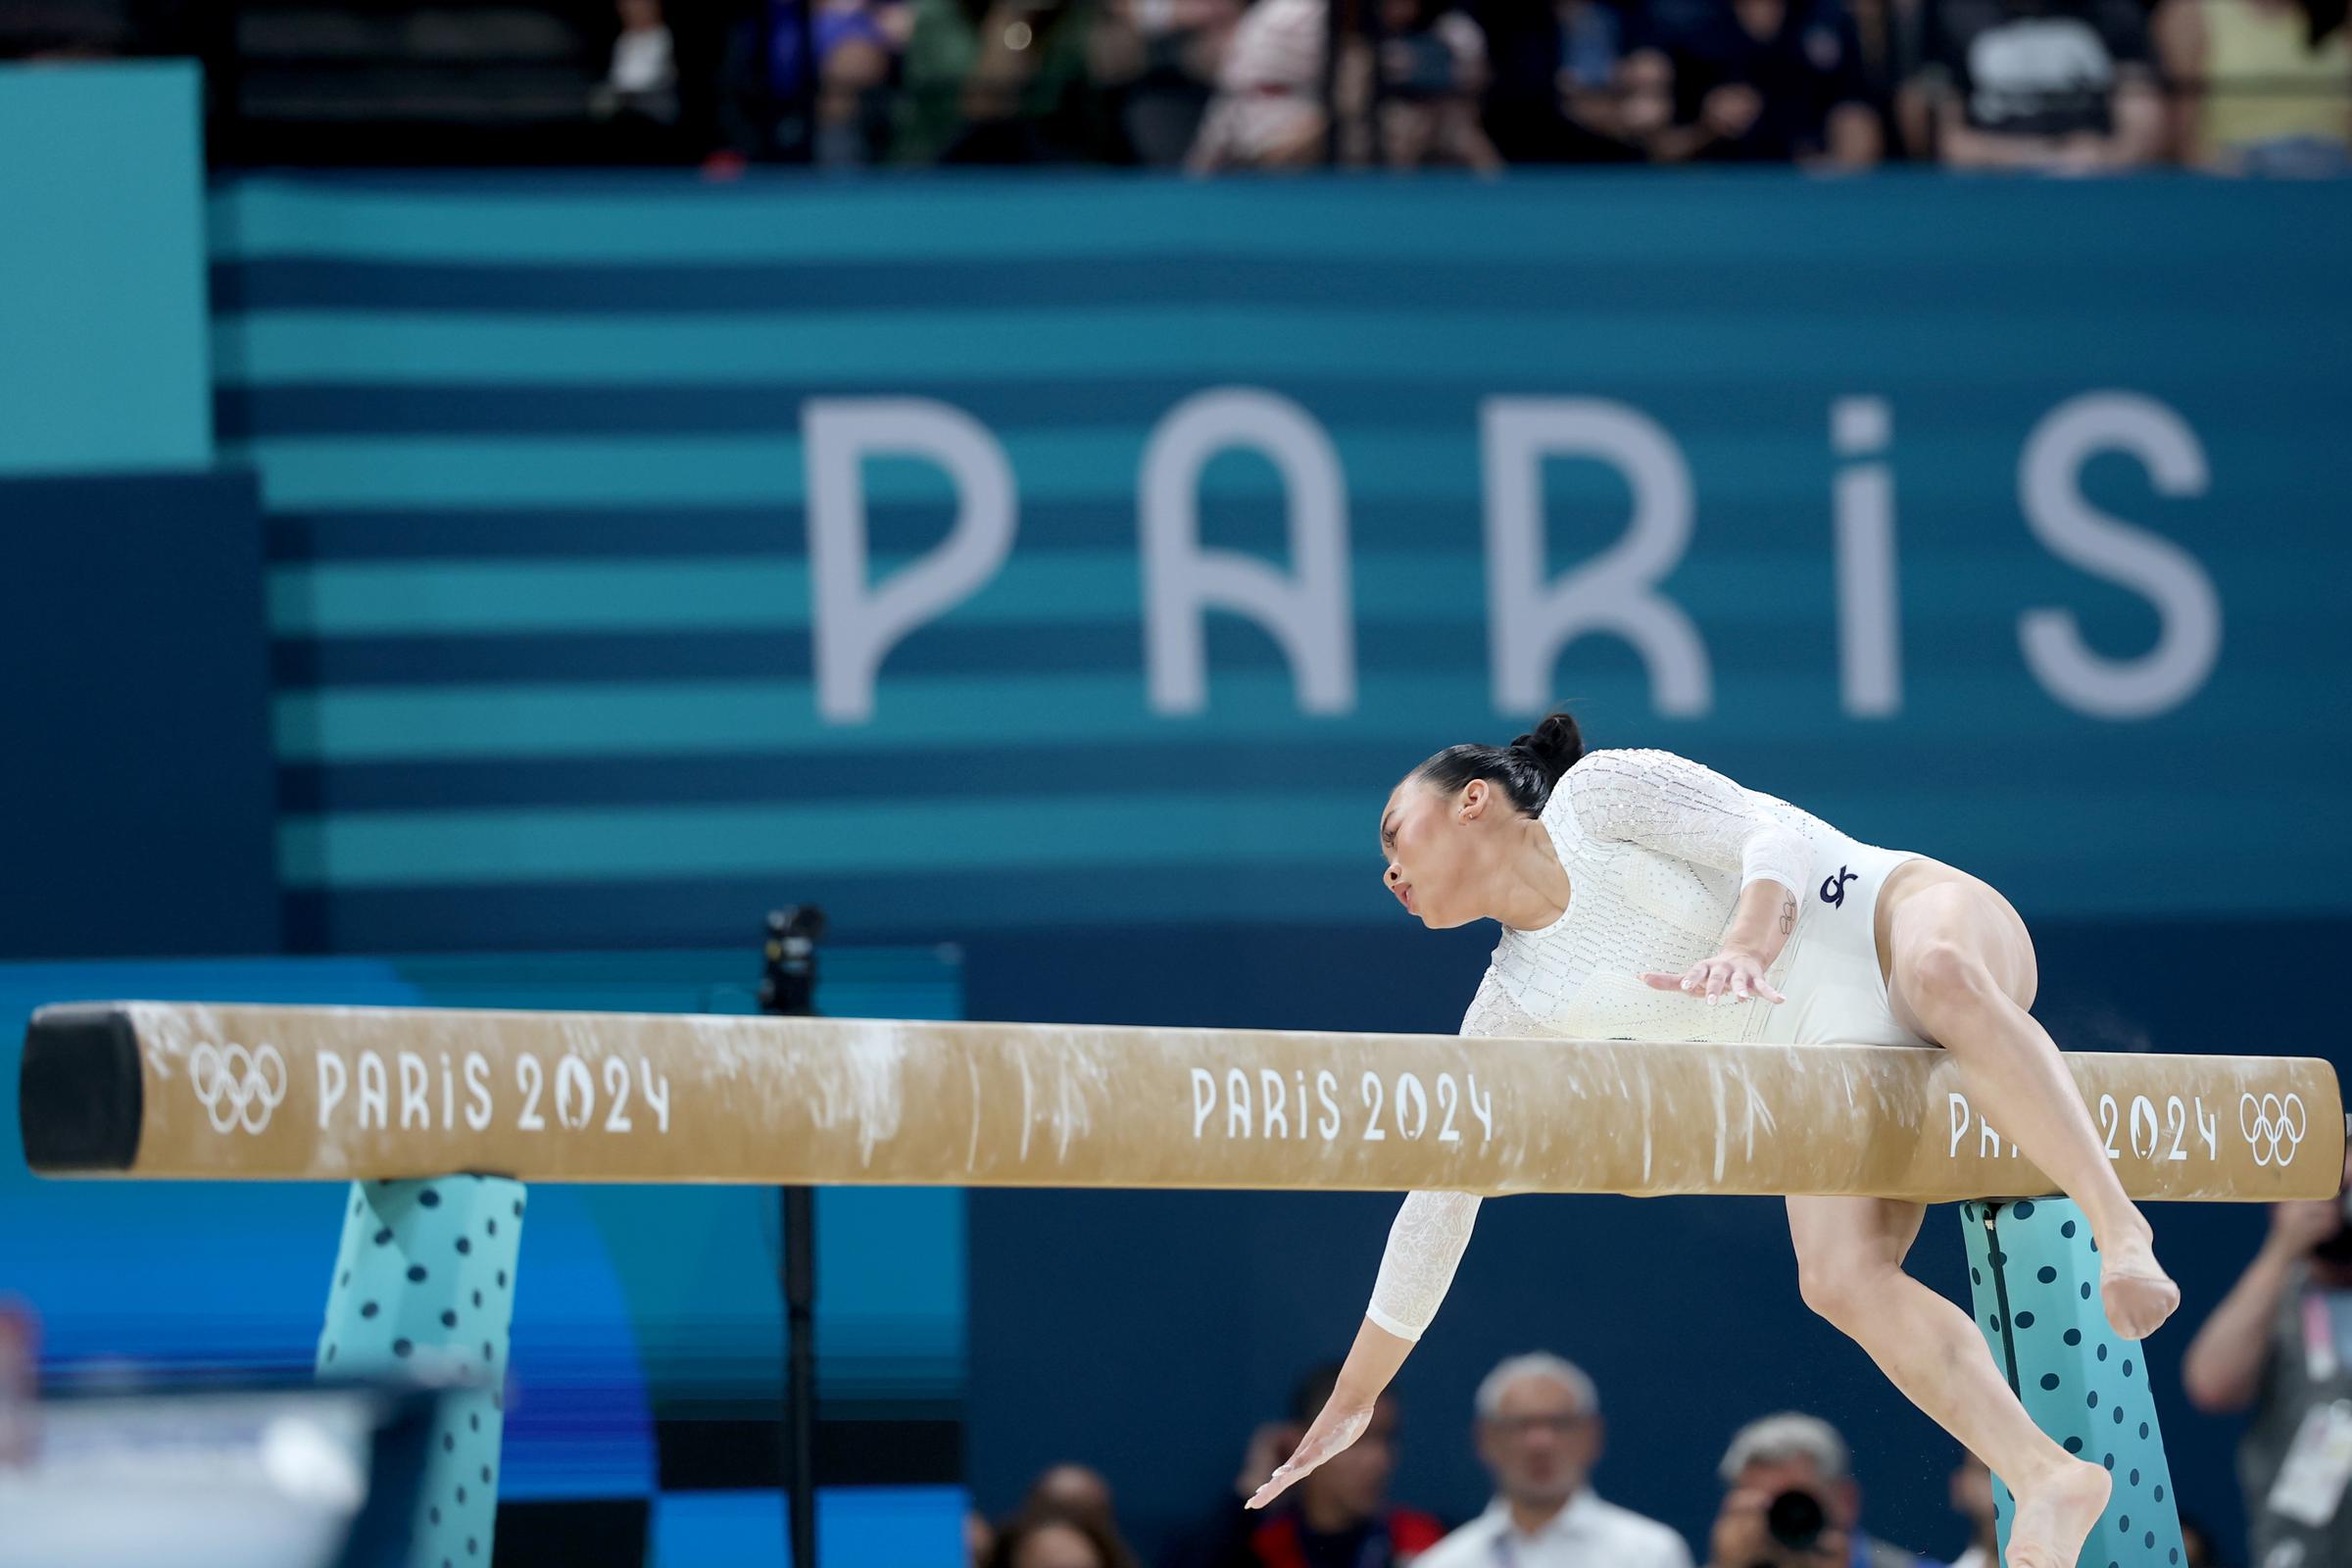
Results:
[1793, 1503]
[2279, 1346]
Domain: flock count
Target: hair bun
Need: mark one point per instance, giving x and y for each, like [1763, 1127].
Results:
[1554, 745]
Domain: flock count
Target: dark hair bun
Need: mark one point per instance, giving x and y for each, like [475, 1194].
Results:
[1556, 743]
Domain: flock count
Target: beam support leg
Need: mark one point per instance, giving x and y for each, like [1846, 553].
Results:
[425, 1288]
[2035, 1273]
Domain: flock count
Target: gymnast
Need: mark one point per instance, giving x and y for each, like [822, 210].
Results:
[1645, 896]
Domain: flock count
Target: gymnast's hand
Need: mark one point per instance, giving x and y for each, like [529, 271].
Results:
[1733, 975]
[1343, 1420]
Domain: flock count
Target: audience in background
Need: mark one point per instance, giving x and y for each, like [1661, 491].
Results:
[1592, 44]
[1159, 61]
[2062, 86]
[2197, 1550]
[769, 107]
[2279, 1346]
[1429, 70]
[1405, 92]
[1767, 1461]
[1539, 1432]
[1049, 1537]
[643, 78]
[1073, 1489]
[2259, 87]
[1337, 1516]
[1972, 1499]
[19, 1382]
[1268, 108]
[1750, 81]
[858, 46]
[1004, 81]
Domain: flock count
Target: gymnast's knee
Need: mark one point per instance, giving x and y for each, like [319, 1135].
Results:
[1846, 1293]
[1943, 978]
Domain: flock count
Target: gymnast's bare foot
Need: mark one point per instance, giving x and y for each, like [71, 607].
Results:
[2137, 1292]
[2055, 1513]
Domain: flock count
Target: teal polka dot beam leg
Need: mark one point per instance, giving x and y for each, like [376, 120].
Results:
[424, 1284]
[2035, 1273]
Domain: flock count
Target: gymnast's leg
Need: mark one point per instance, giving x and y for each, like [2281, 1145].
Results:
[1849, 1265]
[1961, 972]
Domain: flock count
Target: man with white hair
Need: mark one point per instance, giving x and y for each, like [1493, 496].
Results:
[1538, 1434]
[1792, 1501]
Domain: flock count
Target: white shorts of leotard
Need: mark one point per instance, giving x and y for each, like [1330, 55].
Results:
[1829, 969]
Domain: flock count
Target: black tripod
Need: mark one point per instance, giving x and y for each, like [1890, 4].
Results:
[788, 990]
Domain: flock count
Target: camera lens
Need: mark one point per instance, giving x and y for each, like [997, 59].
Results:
[1795, 1519]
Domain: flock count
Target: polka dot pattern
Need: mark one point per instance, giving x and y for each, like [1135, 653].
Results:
[2036, 1271]
[425, 1282]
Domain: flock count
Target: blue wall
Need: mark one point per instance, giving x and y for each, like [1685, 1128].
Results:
[138, 811]
[551, 656]
[102, 300]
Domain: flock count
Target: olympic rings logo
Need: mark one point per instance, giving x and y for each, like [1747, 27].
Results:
[237, 1088]
[2269, 1132]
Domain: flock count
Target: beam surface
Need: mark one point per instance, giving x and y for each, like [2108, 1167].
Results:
[213, 1091]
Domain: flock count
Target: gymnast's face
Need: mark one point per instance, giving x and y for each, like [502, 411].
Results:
[1436, 847]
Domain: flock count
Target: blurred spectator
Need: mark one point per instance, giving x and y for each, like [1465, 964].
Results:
[644, 75]
[1004, 81]
[2260, 87]
[1077, 1489]
[1268, 110]
[1337, 1516]
[1048, 1537]
[20, 1383]
[1591, 59]
[1751, 81]
[858, 44]
[2197, 1550]
[1538, 1434]
[770, 109]
[1406, 92]
[1551, 92]
[979, 1539]
[1792, 1501]
[1972, 1499]
[2277, 1344]
[1161, 60]
[1431, 70]
[2065, 86]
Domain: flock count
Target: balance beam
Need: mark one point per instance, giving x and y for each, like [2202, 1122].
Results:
[395, 1098]
[202, 1092]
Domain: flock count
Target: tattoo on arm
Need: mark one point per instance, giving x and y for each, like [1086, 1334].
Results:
[1787, 916]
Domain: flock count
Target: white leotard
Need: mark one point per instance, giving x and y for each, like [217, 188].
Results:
[1657, 850]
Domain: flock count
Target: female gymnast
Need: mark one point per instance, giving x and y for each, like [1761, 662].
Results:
[1645, 896]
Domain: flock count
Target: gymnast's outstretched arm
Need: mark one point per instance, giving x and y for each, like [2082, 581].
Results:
[1425, 1246]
